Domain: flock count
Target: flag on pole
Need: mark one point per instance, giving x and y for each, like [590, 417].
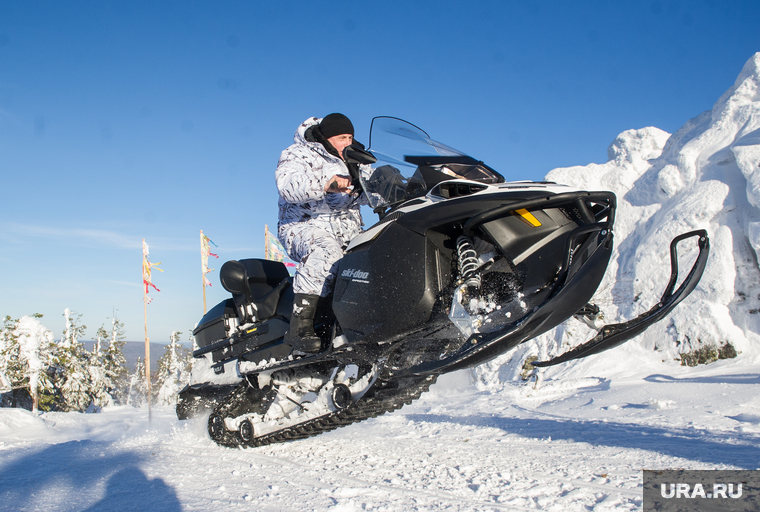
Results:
[147, 267]
[205, 253]
[273, 249]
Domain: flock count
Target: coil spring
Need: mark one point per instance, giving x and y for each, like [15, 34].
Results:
[468, 261]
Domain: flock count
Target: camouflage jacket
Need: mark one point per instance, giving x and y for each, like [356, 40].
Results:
[302, 173]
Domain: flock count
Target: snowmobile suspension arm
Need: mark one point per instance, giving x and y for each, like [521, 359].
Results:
[610, 336]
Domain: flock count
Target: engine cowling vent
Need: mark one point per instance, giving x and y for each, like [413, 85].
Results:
[451, 189]
[390, 217]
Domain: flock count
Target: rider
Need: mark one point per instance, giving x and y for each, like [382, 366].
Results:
[319, 213]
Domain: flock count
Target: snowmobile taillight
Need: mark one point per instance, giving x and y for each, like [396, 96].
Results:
[527, 217]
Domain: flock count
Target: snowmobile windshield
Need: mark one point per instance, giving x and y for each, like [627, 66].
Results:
[409, 163]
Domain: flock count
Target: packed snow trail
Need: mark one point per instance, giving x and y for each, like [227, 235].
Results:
[578, 444]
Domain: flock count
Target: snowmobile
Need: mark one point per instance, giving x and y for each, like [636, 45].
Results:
[461, 267]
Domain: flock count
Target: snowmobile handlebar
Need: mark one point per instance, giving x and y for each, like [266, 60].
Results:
[355, 153]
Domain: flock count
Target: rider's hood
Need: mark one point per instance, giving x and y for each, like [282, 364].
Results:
[300, 135]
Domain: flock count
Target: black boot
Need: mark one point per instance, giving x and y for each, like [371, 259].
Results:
[301, 334]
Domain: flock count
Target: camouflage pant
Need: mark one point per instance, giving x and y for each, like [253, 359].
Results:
[317, 252]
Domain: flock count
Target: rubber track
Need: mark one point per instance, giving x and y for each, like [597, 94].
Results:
[382, 397]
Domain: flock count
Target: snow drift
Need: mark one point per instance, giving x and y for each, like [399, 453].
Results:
[705, 176]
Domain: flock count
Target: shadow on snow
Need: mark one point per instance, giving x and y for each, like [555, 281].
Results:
[741, 378]
[697, 445]
[76, 468]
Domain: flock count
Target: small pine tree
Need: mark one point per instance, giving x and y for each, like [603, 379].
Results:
[72, 377]
[138, 388]
[99, 382]
[9, 364]
[171, 374]
[114, 362]
[197, 366]
[107, 368]
[26, 353]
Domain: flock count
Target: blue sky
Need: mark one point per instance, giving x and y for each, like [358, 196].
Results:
[128, 120]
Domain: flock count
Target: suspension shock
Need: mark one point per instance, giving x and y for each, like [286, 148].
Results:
[468, 262]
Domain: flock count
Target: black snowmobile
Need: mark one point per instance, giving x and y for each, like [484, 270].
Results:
[461, 267]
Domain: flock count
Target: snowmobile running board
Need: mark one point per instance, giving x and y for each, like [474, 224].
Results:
[611, 336]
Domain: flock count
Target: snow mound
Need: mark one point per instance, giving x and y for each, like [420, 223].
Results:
[705, 176]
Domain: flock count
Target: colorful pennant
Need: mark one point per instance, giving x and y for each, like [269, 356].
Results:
[147, 268]
[206, 243]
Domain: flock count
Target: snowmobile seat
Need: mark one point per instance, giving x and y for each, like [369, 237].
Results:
[256, 286]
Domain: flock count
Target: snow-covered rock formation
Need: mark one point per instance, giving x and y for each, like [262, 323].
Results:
[705, 176]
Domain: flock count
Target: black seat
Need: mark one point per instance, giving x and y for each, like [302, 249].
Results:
[256, 286]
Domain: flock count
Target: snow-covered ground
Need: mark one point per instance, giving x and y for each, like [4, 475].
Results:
[573, 444]
[573, 437]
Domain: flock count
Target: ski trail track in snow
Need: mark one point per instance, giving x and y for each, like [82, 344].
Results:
[577, 444]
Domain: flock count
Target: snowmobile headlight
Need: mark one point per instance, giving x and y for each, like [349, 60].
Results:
[527, 217]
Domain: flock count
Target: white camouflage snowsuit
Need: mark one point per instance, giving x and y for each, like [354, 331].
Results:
[314, 226]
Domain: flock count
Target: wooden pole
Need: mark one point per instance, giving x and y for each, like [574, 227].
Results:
[147, 340]
[35, 395]
[203, 282]
[203, 275]
[266, 242]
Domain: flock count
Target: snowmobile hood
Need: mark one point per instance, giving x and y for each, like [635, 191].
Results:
[459, 191]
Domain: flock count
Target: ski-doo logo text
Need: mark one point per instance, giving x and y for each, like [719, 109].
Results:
[682, 490]
[356, 275]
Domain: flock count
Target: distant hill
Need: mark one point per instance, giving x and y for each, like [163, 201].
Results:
[135, 349]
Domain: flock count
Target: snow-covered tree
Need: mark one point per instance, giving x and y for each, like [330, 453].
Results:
[173, 371]
[72, 376]
[107, 368]
[138, 389]
[114, 362]
[8, 351]
[26, 348]
[99, 381]
[36, 344]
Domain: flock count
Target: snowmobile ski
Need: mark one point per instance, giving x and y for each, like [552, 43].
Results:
[611, 336]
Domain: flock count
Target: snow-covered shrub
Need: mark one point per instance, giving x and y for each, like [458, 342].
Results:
[173, 371]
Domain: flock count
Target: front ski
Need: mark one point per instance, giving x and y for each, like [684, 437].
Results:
[610, 336]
